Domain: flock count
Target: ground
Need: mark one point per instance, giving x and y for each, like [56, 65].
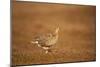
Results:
[77, 34]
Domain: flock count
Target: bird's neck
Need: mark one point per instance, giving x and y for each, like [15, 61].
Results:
[55, 35]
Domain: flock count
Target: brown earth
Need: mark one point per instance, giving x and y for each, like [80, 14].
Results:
[77, 35]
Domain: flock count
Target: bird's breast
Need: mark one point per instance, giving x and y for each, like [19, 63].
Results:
[52, 40]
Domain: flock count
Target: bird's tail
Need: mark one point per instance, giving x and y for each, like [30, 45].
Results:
[34, 42]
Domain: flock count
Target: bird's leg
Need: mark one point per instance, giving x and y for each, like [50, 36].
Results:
[46, 51]
[39, 45]
[49, 50]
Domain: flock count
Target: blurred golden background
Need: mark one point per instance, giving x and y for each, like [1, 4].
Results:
[77, 34]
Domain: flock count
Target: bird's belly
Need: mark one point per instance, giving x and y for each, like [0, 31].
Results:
[51, 42]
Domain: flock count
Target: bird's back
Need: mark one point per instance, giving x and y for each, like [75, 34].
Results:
[46, 40]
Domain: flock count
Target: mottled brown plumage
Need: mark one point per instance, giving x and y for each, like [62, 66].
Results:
[45, 41]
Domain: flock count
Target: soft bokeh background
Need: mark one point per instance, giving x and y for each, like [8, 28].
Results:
[77, 35]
